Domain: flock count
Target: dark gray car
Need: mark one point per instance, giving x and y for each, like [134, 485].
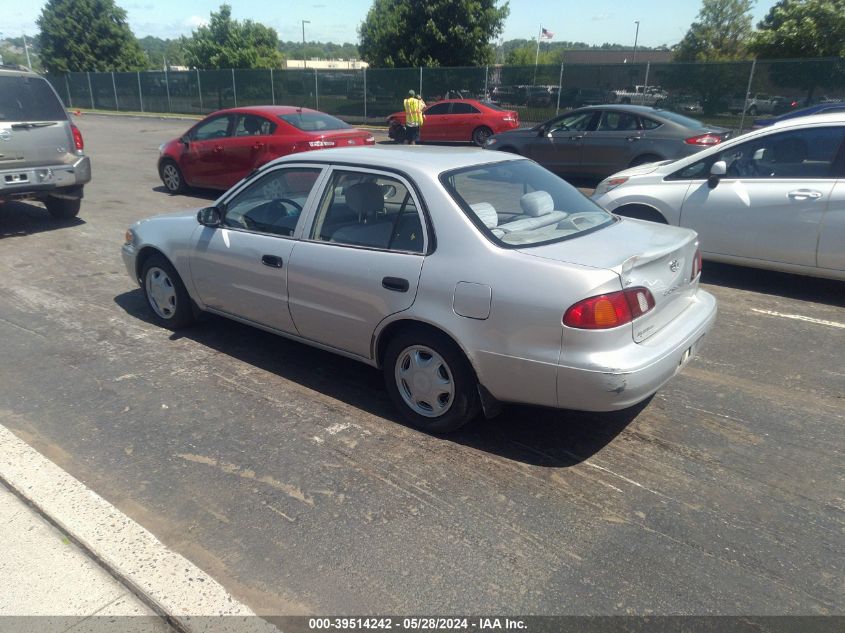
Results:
[597, 141]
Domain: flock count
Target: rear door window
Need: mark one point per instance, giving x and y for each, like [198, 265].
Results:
[25, 98]
[463, 108]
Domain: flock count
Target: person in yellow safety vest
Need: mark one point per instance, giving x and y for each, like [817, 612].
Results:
[414, 117]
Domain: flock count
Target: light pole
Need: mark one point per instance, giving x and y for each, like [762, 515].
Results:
[304, 22]
[636, 37]
[26, 50]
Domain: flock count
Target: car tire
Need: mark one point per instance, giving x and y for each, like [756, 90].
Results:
[63, 208]
[481, 134]
[172, 178]
[430, 381]
[166, 296]
[641, 212]
[644, 159]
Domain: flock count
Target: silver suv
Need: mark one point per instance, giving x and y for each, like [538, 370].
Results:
[41, 151]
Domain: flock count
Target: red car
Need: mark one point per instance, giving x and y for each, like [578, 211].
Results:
[458, 120]
[229, 144]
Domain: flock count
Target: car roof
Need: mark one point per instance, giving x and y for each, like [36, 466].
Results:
[267, 110]
[416, 160]
[821, 117]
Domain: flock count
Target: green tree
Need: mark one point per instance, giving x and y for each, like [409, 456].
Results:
[87, 35]
[402, 33]
[157, 50]
[795, 29]
[720, 33]
[228, 43]
[526, 56]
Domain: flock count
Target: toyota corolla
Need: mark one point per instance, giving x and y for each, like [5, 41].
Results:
[471, 278]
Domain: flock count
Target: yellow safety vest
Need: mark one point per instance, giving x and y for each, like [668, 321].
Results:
[413, 111]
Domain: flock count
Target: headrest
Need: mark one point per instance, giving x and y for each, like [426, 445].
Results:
[537, 203]
[364, 198]
[486, 213]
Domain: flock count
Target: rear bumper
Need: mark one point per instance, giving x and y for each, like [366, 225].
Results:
[657, 360]
[62, 180]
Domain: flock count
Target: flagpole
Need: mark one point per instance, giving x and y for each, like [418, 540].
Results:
[537, 54]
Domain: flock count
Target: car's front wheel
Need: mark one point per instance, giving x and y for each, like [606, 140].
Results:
[430, 381]
[172, 177]
[63, 208]
[166, 294]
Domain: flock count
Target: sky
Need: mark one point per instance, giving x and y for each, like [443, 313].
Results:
[594, 22]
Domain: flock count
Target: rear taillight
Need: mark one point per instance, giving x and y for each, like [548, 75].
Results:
[704, 140]
[77, 138]
[609, 310]
[696, 265]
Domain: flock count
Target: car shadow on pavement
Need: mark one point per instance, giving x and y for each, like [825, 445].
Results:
[208, 194]
[800, 287]
[19, 218]
[532, 435]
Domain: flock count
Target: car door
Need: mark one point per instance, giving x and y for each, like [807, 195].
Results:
[831, 253]
[203, 160]
[770, 204]
[240, 268]
[558, 148]
[359, 260]
[465, 118]
[436, 122]
[248, 147]
[612, 145]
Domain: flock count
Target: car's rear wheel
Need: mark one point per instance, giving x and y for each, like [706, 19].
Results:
[166, 294]
[481, 134]
[430, 381]
[63, 208]
[172, 177]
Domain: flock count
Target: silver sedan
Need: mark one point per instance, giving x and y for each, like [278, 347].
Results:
[773, 198]
[471, 278]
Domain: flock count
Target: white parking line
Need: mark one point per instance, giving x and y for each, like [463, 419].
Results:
[800, 317]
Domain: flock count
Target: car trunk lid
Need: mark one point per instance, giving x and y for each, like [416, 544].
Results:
[643, 254]
[342, 138]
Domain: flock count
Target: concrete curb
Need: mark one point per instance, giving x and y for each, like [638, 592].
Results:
[166, 581]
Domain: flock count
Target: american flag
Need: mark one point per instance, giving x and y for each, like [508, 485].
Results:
[546, 34]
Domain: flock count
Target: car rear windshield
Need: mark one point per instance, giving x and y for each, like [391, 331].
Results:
[493, 106]
[24, 98]
[518, 203]
[314, 121]
[695, 124]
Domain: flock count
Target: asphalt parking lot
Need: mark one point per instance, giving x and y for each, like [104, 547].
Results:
[283, 472]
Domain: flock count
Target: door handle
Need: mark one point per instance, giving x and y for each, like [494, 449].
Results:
[575, 138]
[632, 138]
[395, 283]
[805, 194]
[272, 261]
[218, 148]
[257, 145]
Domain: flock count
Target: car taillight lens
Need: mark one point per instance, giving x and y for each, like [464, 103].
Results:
[77, 138]
[321, 143]
[370, 140]
[704, 139]
[696, 265]
[609, 310]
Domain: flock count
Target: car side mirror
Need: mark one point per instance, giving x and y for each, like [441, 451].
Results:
[185, 140]
[210, 216]
[719, 169]
[541, 130]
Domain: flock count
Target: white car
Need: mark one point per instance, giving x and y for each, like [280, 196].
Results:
[773, 198]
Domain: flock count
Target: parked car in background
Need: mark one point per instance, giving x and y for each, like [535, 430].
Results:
[772, 198]
[227, 145]
[41, 151]
[755, 104]
[640, 95]
[794, 114]
[600, 140]
[529, 292]
[571, 98]
[464, 120]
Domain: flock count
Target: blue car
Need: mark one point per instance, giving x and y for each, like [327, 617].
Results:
[819, 108]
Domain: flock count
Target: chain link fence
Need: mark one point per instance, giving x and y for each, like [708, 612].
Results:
[729, 93]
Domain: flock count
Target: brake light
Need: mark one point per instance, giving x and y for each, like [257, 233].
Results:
[704, 139]
[609, 310]
[696, 265]
[77, 138]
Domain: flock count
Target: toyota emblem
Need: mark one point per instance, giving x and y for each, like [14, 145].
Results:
[5, 135]
[674, 265]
